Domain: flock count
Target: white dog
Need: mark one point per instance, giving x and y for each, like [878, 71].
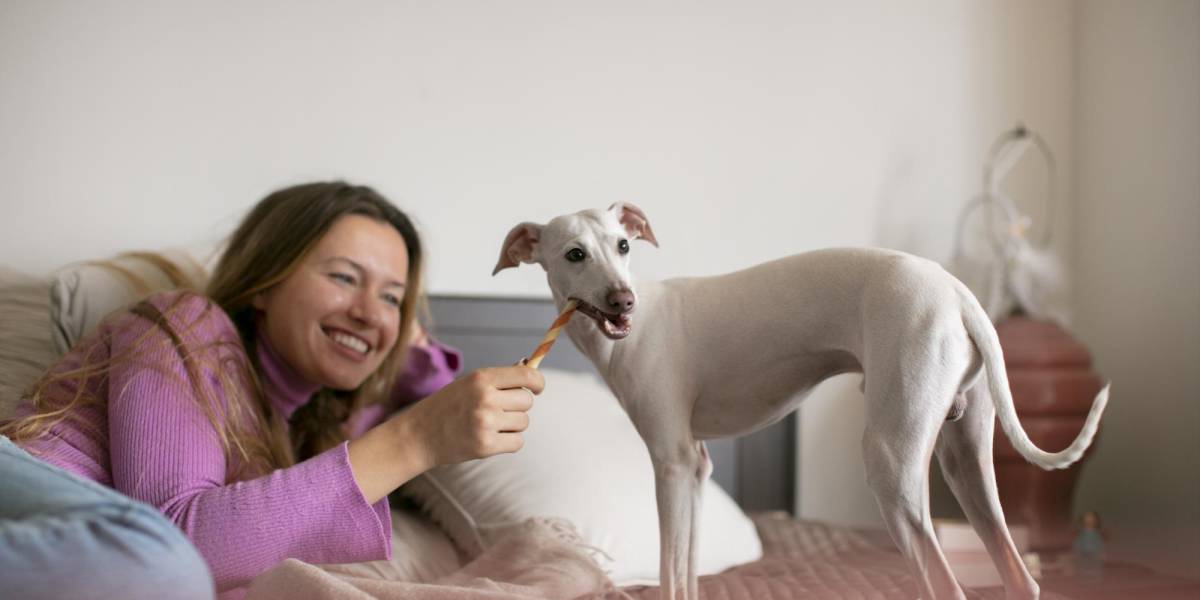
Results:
[726, 355]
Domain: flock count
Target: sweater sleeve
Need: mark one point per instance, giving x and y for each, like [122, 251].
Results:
[429, 369]
[165, 452]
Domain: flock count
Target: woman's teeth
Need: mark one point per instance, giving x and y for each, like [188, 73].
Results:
[350, 342]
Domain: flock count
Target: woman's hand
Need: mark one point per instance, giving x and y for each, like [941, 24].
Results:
[478, 415]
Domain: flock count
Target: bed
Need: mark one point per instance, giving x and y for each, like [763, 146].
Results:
[751, 545]
[751, 496]
[572, 514]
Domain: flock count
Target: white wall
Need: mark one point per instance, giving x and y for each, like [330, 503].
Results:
[746, 130]
[1138, 270]
[1013, 61]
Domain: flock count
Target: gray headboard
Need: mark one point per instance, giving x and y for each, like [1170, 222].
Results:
[757, 470]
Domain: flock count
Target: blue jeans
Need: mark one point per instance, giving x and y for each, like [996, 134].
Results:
[62, 536]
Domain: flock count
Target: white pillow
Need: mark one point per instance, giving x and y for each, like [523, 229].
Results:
[582, 461]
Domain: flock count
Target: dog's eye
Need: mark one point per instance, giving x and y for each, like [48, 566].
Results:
[623, 246]
[575, 255]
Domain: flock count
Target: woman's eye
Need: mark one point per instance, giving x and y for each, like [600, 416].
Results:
[342, 277]
[623, 246]
[392, 299]
[575, 255]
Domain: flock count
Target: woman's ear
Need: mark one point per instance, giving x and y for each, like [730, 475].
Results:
[259, 301]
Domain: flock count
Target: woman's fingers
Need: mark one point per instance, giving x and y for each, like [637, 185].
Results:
[509, 442]
[512, 421]
[514, 377]
[519, 399]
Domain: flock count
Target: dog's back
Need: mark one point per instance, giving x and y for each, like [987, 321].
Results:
[765, 335]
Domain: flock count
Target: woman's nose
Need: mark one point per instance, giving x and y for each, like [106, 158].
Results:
[368, 310]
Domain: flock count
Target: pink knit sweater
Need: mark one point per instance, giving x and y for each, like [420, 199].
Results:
[151, 441]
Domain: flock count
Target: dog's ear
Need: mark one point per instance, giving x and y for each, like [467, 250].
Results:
[636, 225]
[518, 246]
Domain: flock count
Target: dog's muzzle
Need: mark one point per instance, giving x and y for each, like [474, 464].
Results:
[614, 326]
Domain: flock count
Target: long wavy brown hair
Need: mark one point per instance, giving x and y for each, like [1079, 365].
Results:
[267, 247]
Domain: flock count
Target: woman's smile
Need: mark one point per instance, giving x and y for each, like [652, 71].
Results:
[348, 344]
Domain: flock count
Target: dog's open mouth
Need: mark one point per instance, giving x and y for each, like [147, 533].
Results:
[613, 326]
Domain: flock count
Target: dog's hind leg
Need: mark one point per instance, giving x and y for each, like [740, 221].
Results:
[901, 429]
[964, 450]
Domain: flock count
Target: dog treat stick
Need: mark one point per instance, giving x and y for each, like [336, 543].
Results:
[548, 340]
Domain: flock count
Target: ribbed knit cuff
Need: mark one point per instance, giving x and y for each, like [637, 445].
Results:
[372, 522]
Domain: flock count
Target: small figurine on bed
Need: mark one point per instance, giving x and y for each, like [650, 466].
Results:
[1089, 545]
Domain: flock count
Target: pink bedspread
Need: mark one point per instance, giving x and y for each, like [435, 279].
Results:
[544, 559]
[804, 559]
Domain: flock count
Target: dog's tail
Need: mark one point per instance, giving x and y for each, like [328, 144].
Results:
[984, 335]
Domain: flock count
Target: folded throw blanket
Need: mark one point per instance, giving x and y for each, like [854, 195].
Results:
[538, 558]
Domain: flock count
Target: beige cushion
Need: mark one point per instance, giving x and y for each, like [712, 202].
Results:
[41, 319]
[584, 462]
[81, 295]
[26, 349]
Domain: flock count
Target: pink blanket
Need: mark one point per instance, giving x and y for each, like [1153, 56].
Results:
[540, 558]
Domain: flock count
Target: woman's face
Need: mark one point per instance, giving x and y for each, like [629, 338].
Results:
[336, 317]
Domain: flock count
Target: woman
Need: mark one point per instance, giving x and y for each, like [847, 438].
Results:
[256, 418]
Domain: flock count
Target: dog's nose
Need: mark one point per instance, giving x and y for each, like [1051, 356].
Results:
[620, 301]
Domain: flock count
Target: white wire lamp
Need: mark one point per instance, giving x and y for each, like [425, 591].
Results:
[998, 259]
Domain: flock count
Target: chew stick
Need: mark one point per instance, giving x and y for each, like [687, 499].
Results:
[548, 340]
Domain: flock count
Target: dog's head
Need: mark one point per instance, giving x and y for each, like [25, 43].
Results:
[586, 258]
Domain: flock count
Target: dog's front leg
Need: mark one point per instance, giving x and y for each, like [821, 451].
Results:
[677, 476]
[673, 489]
[703, 471]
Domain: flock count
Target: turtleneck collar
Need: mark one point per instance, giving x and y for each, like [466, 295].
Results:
[285, 389]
